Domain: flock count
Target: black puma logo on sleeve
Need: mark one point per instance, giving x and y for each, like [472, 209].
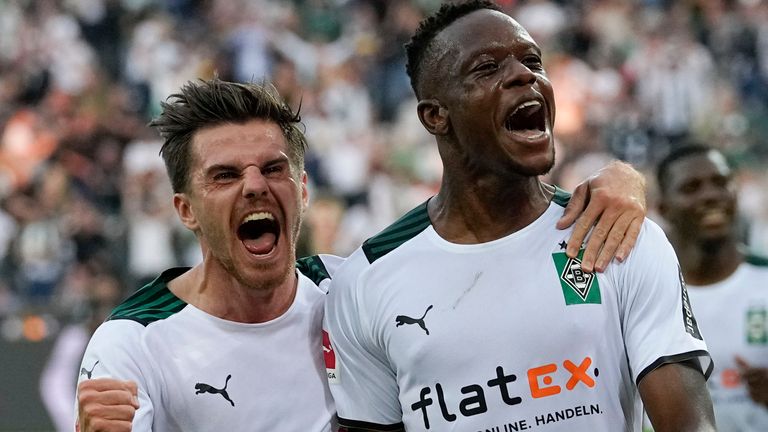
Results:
[86, 372]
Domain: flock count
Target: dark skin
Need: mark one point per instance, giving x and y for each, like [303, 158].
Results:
[699, 203]
[488, 191]
[489, 66]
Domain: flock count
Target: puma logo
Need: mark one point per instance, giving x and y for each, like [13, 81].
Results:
[207, 388]
[86, 372]
[403, 319]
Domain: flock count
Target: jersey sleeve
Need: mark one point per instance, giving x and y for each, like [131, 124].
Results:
[115, 351]
[362, 382]
[658, 322]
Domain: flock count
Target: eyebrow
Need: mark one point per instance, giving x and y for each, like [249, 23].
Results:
[489, 49]
[230, 167]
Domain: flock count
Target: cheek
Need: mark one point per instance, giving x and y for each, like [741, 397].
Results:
[549, 97]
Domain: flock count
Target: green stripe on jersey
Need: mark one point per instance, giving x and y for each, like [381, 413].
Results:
[152, 302]
[756, 260]
[561, 197]
[313, 268]
[404, 229]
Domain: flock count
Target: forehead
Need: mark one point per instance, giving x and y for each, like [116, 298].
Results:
[698, 166]
[229, 142]
[479, 31]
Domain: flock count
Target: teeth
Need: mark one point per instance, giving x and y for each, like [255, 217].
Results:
[526, 105]
[258, 216]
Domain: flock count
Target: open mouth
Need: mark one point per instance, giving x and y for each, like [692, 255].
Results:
[528, 119]
[714, 217]
[259, 233]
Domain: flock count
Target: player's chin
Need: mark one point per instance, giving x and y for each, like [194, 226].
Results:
[266, 276]
[535, 166]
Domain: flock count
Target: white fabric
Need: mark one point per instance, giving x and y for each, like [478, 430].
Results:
[278, 380]
[724, 310]
[499, 310]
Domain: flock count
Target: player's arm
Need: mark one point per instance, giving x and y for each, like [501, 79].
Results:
[667, 354]
[105, 400]
[676, 398]
[612, 204]
[106, 405]
[362, 382]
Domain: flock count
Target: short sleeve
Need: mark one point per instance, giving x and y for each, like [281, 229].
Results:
[658, 322]
[114, 351]
[362, 382]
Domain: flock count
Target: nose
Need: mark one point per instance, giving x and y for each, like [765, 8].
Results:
[713, 191]
[254, 183]
[517, 74]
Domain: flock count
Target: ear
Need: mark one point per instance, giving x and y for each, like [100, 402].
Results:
[184, 210]
[304, 192]
[433, 116]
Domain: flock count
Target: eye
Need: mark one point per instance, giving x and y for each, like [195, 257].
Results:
[224, 175]
[533, 62]
[690, 187]
[273, 169]
[487, 66]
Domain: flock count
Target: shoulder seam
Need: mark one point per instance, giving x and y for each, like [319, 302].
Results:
[152, 302]
[313, 268]
[402, 230]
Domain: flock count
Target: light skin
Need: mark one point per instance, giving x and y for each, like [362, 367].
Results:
[700, 205]
[238, 170]
[489, 66]
[241, 170]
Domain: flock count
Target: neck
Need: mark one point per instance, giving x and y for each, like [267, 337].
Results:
[707, 262]
[211, 289]
[469, 211]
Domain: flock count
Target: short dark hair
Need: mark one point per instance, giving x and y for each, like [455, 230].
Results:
[418, 49]
[676, 154]
[208, 103]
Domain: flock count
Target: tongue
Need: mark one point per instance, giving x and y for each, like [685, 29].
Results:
[260, 245]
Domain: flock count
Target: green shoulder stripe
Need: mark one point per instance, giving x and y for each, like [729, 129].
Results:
[561, 197]
[152, 302]
[757, 260]
[404, 229]
[313, 268]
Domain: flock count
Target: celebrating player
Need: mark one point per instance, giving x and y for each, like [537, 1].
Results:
[467, 314]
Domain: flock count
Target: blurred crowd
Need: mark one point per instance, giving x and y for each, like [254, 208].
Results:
[85, 214]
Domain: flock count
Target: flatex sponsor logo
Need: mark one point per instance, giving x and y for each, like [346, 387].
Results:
[544, 381]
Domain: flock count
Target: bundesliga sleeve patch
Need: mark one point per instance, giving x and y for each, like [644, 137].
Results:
[329, 355]
[579, 287]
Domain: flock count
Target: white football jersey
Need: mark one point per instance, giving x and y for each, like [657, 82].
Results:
[198, 372]
[502, 336]
[733, 316]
